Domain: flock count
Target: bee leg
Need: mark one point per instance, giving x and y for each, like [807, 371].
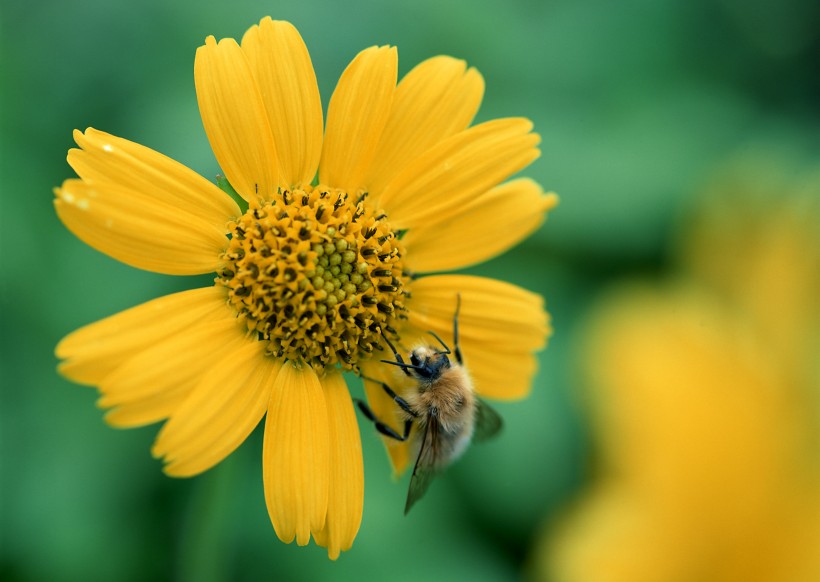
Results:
[401, 363]
[401, 402]
[382, 427]
[456, 349]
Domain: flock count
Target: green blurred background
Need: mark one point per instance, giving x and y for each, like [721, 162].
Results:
[638, 104]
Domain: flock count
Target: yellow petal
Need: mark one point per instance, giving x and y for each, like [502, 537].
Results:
[491, 311]
[94, 351]
[296, 455]
[386, 410]
[139, 229]
[151, 385]
[284, 74]
[435, 100]
[500, 325]
[235, 120]
[107, 158]
[356, 117]
[499, 374]
[346, 492]
[440, 182]
[220, 413]
[486, 227]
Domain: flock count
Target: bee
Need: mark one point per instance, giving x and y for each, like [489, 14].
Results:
[441, 405]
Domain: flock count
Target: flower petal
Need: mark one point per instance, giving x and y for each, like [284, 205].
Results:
[489, 308]
[107, 158]
[154, 383]
[386, 410]
[356, 117]
[94, 351]
[486, 227]
[284, 74]
[220, 413]
[437, 184]
[235, 120]
[435, 100]
[346, 492]
[499, 374]
[296, 455]
[500, 325]
[138, 229]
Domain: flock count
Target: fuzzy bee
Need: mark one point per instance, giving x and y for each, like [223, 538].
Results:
[441, 404]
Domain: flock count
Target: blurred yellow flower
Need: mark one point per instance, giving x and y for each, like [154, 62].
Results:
[705, 400]
[312, 275]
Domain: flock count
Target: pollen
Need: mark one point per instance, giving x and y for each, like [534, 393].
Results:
[316, 275]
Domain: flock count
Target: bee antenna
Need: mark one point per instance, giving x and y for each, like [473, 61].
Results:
[446, 349]
[403, 365]
[456, 348]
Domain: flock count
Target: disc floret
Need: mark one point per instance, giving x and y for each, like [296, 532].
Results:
[317, 276]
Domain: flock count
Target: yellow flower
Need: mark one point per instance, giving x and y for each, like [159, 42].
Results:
[313, 274]
[704, 397]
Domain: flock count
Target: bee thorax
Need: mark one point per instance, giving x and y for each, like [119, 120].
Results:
[449, 398]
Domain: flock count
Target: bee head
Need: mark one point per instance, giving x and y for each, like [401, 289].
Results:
[428, 363]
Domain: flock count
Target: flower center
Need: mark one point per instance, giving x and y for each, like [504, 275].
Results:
[315, 275]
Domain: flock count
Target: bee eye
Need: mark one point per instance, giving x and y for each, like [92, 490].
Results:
[414, 359]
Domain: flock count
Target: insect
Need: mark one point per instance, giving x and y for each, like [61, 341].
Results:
[441, 405]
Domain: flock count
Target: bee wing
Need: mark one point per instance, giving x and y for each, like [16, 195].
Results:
[424, 470]
[487, 422]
